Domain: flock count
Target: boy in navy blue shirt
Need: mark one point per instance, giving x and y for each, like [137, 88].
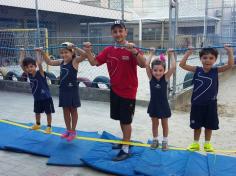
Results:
[40, 90]
[204, 96]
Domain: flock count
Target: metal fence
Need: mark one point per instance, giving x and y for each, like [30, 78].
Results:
[198, 23]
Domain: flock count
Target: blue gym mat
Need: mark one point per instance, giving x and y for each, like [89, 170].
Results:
[9, 133]
[158, 162]
[35, 142]
[197, 165]
[69, 154]
[100, 157]
[221, 165]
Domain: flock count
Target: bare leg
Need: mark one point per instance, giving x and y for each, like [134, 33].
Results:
[155, 124]
[126, 129]
[74, 115]
[197, 133]
[49, 119]
[164, 123]
[67, 117]
[208, 134]
[37, 116]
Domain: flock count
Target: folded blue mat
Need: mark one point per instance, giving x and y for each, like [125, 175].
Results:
[197, 165]
[158, 162]
[100, 157]
[69, 154]
[35, 142]
[9, 133]
[221, 165]
[38, 143]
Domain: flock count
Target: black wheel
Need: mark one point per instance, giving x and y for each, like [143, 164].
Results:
[85, 81]
[52, 77]
[23, 77]
[101, 80]
[188, 80]
[12, 76]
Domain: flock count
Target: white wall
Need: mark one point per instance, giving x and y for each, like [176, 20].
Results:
[67, 7]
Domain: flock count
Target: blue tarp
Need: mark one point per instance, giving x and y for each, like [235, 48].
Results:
[100, 157]
[221, 165]
[197, 165]
[69, 154]
[35, 142]
[164, 163]
[9, 133]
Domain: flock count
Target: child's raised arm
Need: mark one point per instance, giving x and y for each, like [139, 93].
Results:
[148, 61]
[81, 55]
[183, 63]
[22, 56]
[47, 59]
[173, 64]
[90, 56]
[39, 62]
[230, 63]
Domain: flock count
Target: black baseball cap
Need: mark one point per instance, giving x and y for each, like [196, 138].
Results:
[118, 23]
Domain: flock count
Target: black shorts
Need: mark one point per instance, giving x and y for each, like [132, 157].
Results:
[46, 106]
[204, 116]
[121, 109]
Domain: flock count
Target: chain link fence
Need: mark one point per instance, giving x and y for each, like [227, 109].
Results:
[199, 23]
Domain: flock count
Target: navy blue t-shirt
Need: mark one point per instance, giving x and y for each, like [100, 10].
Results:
[68, 76]
[39, 86]
[205, 86]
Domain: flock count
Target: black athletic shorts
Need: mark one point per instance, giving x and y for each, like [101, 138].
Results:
[121, 109]
[204, 116]
[46, 106]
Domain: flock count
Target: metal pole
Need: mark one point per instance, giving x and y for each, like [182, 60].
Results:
[140, 37]
[170, 24]
[234, 22]
[88, 31]
[174, 43]
[221, 28]
[162, 33]
[205, 23]
[37, 22]
[170, 40]
[122, 10]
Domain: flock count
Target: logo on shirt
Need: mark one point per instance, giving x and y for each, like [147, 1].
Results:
[43, 91]
[205, 83]
[192, 121]
[70, 85]
[158, 86]
[126, 58]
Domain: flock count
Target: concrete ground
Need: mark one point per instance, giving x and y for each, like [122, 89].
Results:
[94, 116]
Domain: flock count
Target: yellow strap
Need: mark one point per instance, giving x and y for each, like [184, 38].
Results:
[108, 140]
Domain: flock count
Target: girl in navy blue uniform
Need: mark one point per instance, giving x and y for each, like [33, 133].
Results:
[40, 90]
[204, 96]
[69, 98]
[159, 107]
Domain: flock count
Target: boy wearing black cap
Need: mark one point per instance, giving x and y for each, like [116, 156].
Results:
[122, 67]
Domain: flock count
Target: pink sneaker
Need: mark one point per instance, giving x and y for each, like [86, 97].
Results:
[72, 136]
[65, 134]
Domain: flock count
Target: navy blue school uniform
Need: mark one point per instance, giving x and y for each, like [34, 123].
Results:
[68, 89]
[40, 90]
[159, 105]
[204, 99]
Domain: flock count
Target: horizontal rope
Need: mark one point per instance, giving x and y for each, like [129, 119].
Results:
[25, 77]
[104, 45]
[107, 140]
